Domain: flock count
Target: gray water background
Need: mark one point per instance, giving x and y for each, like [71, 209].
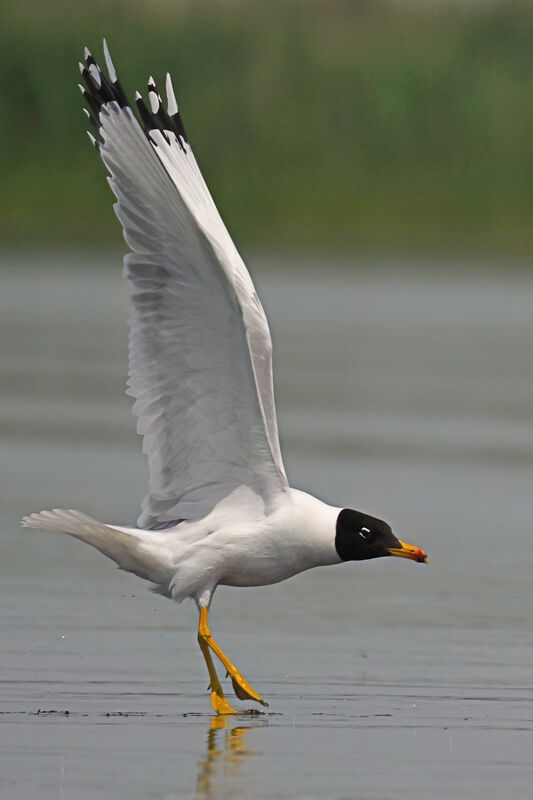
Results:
[400, 392]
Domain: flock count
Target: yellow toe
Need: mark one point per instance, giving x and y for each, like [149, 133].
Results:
[244, 691]
[220, 704]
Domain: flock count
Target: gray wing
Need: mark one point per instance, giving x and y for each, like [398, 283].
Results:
[200, 348]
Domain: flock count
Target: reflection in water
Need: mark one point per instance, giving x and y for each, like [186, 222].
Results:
[405, 394]
[226, 753]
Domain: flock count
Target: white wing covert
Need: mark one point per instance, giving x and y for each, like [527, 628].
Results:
[200, 349]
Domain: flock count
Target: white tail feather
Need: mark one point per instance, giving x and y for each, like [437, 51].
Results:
[67, 521]
[125, 549]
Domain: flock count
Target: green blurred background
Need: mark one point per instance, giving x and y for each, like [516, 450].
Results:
[337, 126]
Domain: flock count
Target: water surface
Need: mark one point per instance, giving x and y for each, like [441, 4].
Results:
[399, 393]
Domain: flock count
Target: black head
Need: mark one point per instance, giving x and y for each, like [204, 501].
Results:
[359, 537]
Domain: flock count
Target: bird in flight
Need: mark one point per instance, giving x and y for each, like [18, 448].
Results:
[219, 509]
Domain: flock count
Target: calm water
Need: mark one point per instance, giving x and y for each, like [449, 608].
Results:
[399, 394]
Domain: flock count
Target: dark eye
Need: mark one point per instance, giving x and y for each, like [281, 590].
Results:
[365, 533]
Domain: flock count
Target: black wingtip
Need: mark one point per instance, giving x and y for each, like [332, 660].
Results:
[147, 118]
[101, 89]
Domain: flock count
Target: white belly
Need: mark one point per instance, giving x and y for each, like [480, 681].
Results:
[261, 551]
[263, 569]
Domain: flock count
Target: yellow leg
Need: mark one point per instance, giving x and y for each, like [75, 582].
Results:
[241, 687]
[218, 701]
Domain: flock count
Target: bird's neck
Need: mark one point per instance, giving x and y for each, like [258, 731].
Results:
[313, 523]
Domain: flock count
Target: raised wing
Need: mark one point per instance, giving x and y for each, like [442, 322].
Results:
[200, 349]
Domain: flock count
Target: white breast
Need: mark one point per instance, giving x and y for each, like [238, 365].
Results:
[298, 536]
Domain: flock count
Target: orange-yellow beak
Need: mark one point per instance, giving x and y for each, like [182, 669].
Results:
[408, 551]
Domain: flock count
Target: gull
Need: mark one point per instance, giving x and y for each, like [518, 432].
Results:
[219, 509]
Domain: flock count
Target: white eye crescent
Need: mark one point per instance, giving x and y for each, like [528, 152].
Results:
[363, 532]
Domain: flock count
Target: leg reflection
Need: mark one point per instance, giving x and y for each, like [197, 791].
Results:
[227, 749]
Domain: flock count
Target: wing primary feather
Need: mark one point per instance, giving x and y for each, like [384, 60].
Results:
[97, 91]
[92, 118]
[116, 87]
[93, 103]
[158, 117]
[172, 106]
[148, 119]
[109, 64]
[98, 95]
[95, 75]
[153, 96]
[94, 141]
